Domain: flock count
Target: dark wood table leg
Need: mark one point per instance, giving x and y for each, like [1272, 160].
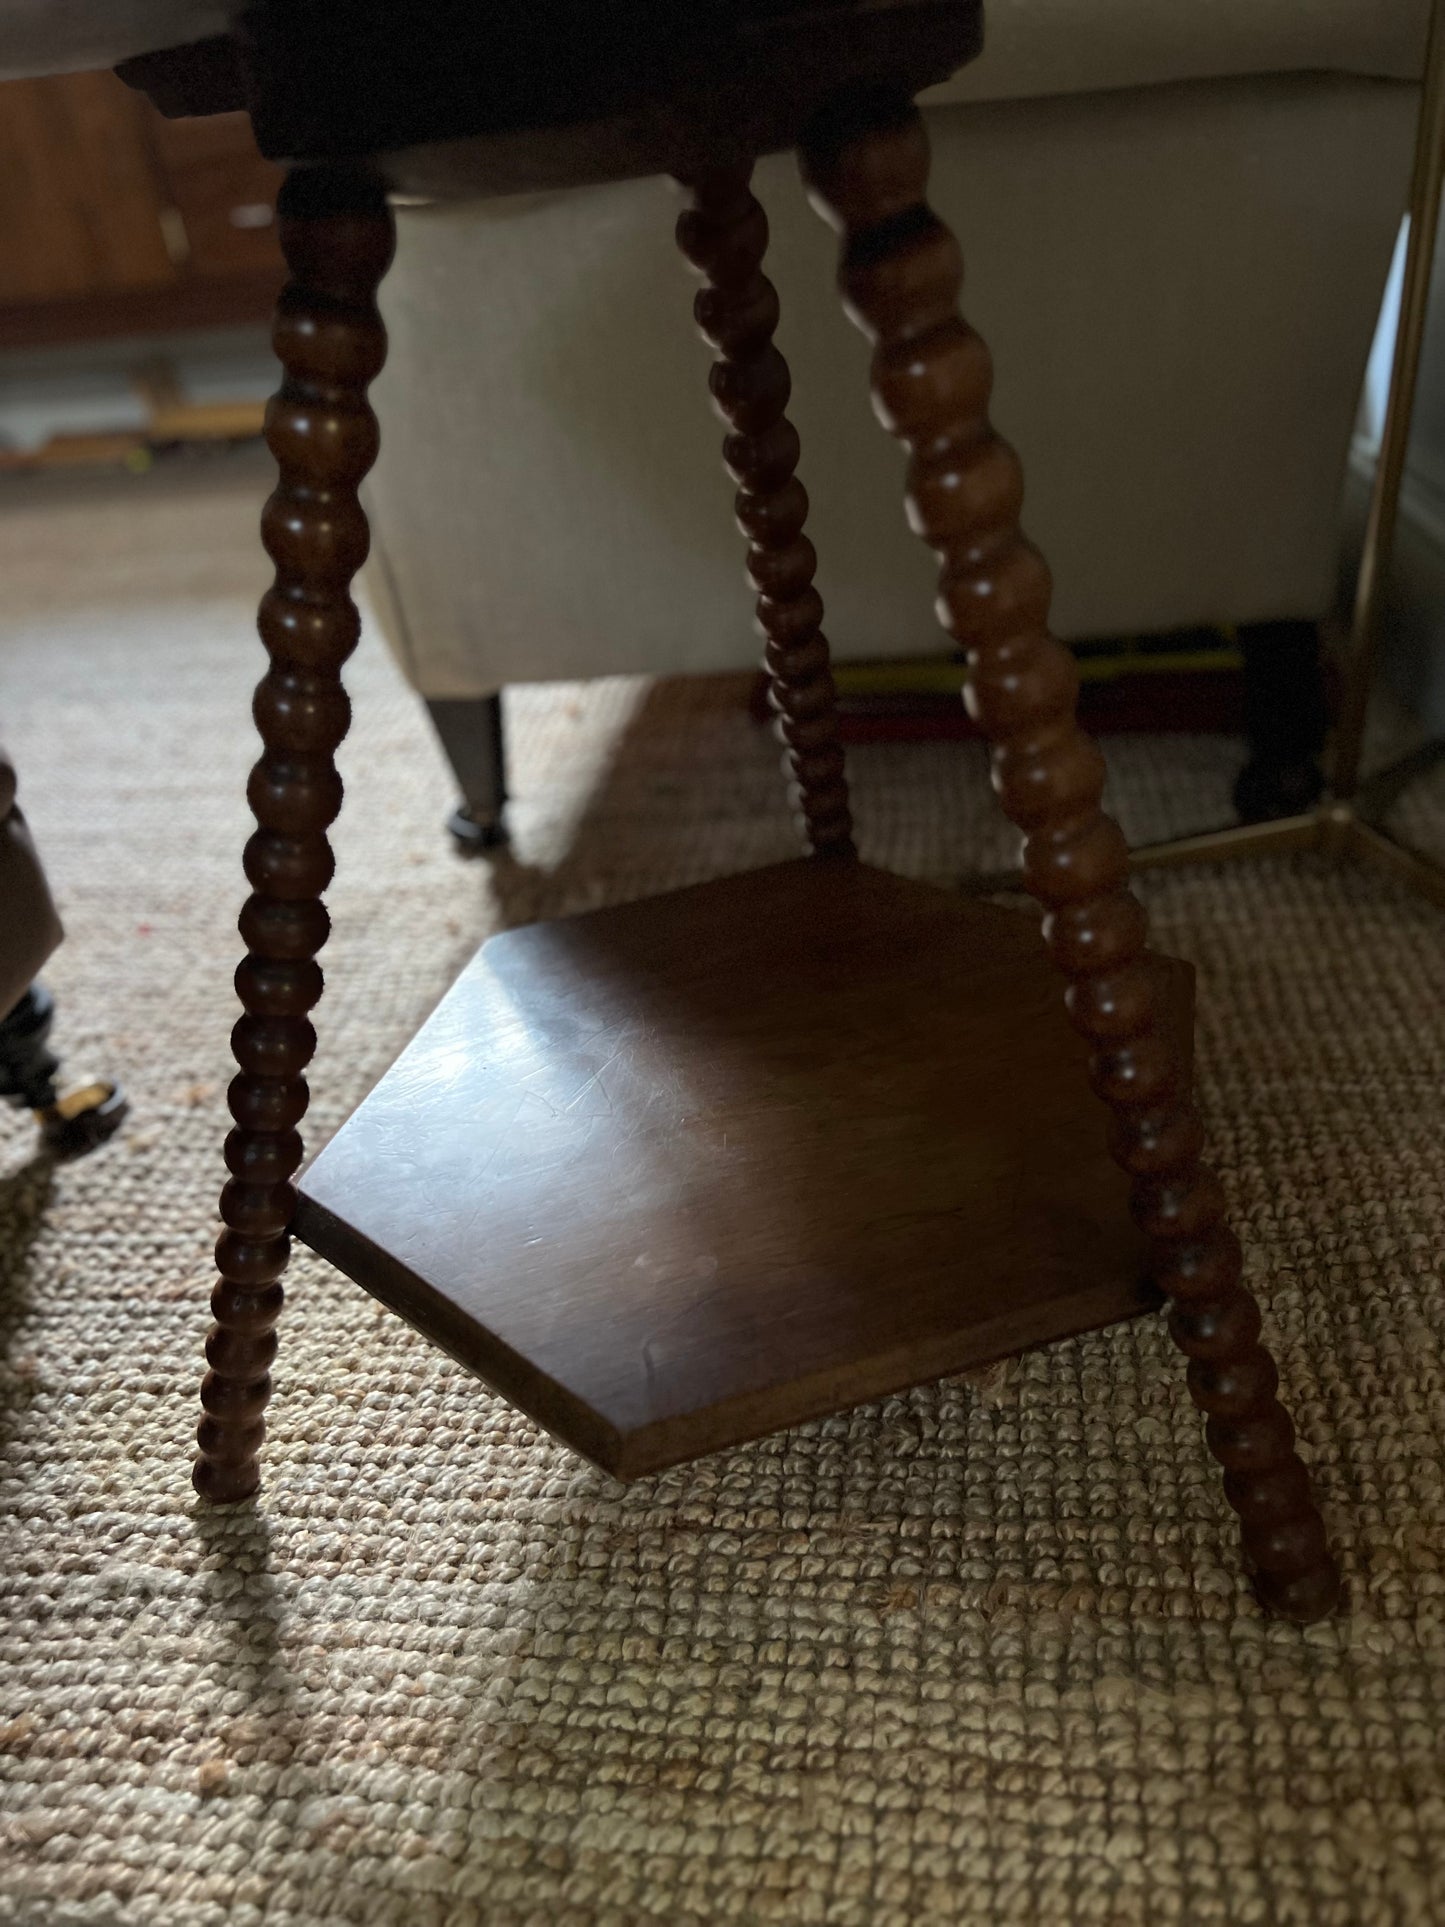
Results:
[724, 234]
[866, 163]
[336, 232]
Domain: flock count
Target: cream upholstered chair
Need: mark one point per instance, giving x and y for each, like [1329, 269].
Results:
[1178, 222]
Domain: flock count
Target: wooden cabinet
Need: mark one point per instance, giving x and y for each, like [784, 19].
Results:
[114, 221]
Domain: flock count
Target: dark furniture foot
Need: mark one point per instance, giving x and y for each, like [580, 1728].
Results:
[470, 729]
[1286, 716]
[28, 1066]
[83, 1119]
[71, 1122]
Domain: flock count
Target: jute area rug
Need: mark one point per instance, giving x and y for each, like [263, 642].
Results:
[978, 1654]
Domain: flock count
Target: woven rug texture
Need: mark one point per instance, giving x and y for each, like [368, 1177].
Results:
[981, 1653]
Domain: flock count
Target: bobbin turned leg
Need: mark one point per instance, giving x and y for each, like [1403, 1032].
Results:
[724, 234]
[866, 163]
[336, 233]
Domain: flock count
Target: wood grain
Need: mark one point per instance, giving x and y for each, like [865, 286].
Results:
[674, 1175]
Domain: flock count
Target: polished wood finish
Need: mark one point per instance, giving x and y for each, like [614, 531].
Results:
[337, 236]
[724, 234]
[866, 163]
[676, 1174]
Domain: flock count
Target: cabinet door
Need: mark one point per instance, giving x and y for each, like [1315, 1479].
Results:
[81, 199]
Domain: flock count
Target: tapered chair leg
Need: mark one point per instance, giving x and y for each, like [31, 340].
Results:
[866, 163]
[724, 234]
[472, 734]
[336, 232]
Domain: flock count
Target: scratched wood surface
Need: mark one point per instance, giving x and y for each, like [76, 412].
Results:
[675, 1175]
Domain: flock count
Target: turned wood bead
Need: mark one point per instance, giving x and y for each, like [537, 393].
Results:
[315, 534]
[1075, 861]
[1254, 1443]
[1021, 693]
[224, 1434]
[293, 792]
[1206, 1270]
[1151, 1143]
[239, 1309]
[273, 1047]
[736, 321]
[244, 1356]
[1143, 1072]
[807, 702]
[1302, 1597]
[809, 736]
[291, 867]
[782, 570]
[230, 1442]
[263, 1157]
[1218, 1330]
[1234, 1387]
[1271, 1497]
[752, 393]
[267, 1104]
[728, 240]
[1180, 1207]
[945, 374]
[764, 461]
[257, 1210]
[251, 1261]
[775, 517]
[794, 623]
[797, 662]
[961, 491]
[272, 987]
[909, 286]
[325, 347]
[1101, 935]
[312, 634]
[1037, 783]
[818, 767]
[232, 1400]
[1114, 1004]
[827, 821]
[1296, 1545]
[322, 443]
[1004, 603]
[301, 710]
[283, 931]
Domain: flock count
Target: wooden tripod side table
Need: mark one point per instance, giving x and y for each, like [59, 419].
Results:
[679, 1173]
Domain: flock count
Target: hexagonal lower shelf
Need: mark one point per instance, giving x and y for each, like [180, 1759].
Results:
[675, 1175]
